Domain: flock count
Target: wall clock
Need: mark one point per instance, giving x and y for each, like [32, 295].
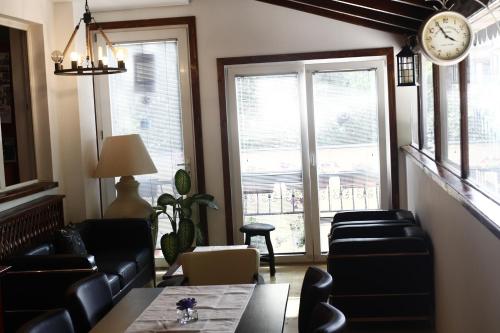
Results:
[446, 37]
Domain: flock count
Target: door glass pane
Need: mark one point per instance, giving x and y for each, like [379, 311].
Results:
[484, 116]
[269, 135]
[347, 143]
[147, 100]
[451, 109]
[427, 91]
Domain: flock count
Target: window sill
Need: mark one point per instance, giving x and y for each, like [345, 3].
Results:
[26, 190]
[483, 208]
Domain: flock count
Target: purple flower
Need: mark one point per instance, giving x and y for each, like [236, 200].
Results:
[186, 303]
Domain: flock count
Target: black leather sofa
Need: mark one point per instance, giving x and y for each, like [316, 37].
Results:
[39, 277]
[382, 271]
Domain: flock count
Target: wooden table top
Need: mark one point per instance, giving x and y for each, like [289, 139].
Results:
[265, 312]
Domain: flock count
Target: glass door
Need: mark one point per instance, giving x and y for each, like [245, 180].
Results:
[347, 129]
[152, 99]
[269, 156]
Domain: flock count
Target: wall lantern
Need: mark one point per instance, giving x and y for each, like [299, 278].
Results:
[85, 64]
[407, 67]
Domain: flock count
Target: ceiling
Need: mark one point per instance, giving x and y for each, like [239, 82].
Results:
[106, 5]
[398, 16]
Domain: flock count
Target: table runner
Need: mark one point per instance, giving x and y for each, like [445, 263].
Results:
[220, 309]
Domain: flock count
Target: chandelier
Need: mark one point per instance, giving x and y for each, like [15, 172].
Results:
[84, 64]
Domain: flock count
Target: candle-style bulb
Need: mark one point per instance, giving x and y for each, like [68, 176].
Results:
[74, 56]
[120, 55]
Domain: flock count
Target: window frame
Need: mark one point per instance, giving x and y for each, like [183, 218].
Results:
[457, 182]
[391, 125]
[37, 93]
[190, 23]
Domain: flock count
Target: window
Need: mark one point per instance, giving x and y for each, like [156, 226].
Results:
[307, 140]
[18, 163]
[469, 131]
[427, 105]
[450, 112]
[483, 116]
[153, 99]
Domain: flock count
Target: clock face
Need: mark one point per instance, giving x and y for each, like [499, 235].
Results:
[446, 38]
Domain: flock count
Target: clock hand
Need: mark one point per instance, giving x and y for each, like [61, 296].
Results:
[444, 33]
[442, 30]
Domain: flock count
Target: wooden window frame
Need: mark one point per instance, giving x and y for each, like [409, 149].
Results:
[480, 204]
[190, 22]
[387, 52]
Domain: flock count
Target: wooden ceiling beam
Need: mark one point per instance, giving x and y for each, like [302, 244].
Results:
[364, 12]
[427, 5]
[391, 7]
[369, 21]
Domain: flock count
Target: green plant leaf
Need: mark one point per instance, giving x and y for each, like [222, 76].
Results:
[205, 199]
[200, 240]
[182, 182]
[170, 247]
[187, 212]
[185, 234]
[166, 199]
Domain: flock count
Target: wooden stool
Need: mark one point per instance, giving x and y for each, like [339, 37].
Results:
[261, 229]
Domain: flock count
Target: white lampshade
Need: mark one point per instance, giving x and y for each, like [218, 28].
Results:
[124, 155]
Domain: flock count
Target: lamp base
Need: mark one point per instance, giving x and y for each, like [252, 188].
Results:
[128, 203]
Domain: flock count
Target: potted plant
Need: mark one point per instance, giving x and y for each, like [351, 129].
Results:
[180, 216]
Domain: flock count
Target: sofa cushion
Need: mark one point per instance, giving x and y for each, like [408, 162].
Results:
[141, 257]
[114, 283]
[125, 269]
[44, 249]
[69, 241]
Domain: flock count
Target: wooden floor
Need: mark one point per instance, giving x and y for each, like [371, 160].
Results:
[294, 274]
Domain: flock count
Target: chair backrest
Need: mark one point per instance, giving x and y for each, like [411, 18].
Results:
[316, 288]
[54, 321]
[88, 300]
[326, 319]
[221, 267]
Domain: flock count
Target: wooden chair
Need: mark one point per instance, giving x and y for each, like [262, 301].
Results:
[235, 266]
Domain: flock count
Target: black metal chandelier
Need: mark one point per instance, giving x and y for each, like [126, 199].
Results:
[85, 65]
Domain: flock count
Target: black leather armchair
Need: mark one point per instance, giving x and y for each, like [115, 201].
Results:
[381, 271]
[373, 215]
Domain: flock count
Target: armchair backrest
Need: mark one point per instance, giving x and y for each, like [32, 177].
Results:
[326, 319]
[54, 321]
[102, 234]
[88, 300]
[221, 267]
[316, 288]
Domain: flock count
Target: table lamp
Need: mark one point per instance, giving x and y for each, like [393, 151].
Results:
[125, 156]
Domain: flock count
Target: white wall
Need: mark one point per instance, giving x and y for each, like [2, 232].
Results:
[38, 14]
[466, 267]
[71, 155]
[228, 28]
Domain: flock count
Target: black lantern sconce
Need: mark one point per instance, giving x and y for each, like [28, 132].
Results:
[407, 67]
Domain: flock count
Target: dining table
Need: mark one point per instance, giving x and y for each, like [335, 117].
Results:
[264, 313]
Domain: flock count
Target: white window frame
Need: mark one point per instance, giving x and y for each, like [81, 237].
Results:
[304, 70]
[102, 98]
